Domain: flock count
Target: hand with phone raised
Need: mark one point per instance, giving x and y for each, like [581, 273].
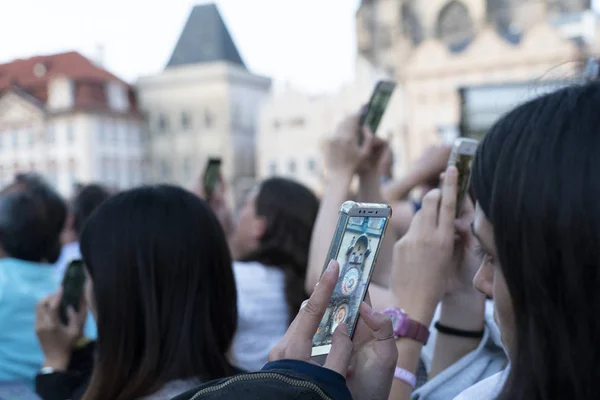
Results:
[367, 362]
[58, 340]
[342, 152]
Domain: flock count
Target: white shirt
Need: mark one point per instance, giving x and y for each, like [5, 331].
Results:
[263, 316]
[68, 253]
[487, 389]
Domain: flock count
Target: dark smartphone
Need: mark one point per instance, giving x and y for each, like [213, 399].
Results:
[373, 113]
[211, 176]
[72, 285]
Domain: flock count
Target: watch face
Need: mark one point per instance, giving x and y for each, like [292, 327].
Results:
[350, 281]
[398, 321]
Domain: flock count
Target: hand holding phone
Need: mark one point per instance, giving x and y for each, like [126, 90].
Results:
[372, 377]
[72, 289]
[355, 245]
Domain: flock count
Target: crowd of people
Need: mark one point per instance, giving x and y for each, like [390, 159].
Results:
[184, 301]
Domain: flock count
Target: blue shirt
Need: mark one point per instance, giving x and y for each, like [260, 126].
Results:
[22, 285]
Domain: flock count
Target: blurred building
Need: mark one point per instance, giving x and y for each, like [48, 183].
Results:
[435, 47]
[204, 104]
[73, 121]
[293, 126]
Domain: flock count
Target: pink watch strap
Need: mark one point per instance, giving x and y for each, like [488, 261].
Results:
[406, 327]
[417, 331]
[405, 376]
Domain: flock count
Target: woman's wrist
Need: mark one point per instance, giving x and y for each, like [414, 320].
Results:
[464, 311]
[58, 364]
[420, 309]
[339, 175]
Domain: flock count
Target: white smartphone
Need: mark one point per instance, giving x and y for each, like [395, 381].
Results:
[355, 245]
[461, 157]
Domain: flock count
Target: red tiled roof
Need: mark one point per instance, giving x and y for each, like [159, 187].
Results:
[89, 78]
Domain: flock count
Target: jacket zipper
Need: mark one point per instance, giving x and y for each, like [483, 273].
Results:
[264, 375]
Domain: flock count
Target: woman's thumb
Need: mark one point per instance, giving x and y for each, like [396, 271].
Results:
[340, 354]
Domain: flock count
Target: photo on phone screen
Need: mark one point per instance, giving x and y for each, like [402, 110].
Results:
[461, 157]
[73, 285]
[355, 247]
[211, 176]
[377, 105]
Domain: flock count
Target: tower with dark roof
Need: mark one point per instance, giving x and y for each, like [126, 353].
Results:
[205, 39]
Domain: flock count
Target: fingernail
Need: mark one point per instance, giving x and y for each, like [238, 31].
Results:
[330, 266]
[451, 172]
[368, 309]
[343, 328]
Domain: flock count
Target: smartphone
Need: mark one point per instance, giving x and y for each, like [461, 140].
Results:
[211, 176]
[72, 285]
[373, 113]
[461, 157]
[355, 245]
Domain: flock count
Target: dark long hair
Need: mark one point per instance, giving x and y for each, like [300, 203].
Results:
[536, 178]
[164, 292]
[290, 210]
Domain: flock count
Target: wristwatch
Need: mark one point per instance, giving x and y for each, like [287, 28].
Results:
[404, 327]
[47, 371]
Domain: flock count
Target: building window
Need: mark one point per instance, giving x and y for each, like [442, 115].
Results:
[236, 115]
[50, 135]
[209, 119]
[30, 137]
[72, 172]
[312, 165]
[100, 132]
[272, 168]
[114, 131]
[185, 121]
[165, 170]
[70, 133]
[292, 167]
[163, 123]
[187, 169]
[297, 122]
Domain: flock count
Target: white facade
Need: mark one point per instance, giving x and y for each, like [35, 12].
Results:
[293, 126]
[69, 146]
[199, 111]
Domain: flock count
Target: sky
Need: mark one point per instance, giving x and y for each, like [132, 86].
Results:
[308, 44]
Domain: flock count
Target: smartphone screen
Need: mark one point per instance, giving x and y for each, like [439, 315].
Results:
[380, 99]
[72, 285]
[461, 157]
[211, 176]
[355, 246]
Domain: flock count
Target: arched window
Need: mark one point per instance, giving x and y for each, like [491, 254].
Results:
[455, 27]
[570, 6]
[411, 26]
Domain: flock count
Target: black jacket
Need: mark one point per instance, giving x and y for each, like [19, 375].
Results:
[280, 380]
[72, 383]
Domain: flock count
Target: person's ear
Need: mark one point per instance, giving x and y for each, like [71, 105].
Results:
[259, 227]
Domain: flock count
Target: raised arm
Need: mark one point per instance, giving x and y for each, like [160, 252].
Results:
[342, 155]
[422, 268]
[463, 306]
